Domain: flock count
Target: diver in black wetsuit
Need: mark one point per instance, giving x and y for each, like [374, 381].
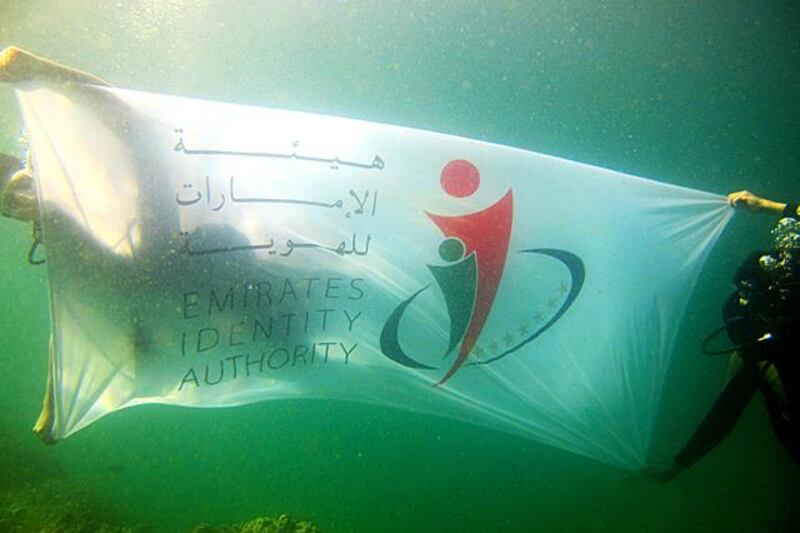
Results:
[762, 318]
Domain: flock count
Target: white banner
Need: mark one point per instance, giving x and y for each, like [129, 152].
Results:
[208, 254]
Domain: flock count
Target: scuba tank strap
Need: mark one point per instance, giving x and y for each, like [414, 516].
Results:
[37, 240]
[713, 335]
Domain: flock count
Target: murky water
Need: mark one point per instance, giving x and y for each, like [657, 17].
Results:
[703, 95]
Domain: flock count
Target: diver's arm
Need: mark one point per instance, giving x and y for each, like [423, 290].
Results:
[18, 66]
[717, 424]
[722, 417]
[748, 200]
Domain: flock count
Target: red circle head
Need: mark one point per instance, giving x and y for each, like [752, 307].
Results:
[460, 178]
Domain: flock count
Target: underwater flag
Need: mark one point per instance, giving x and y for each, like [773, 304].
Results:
[208, 254]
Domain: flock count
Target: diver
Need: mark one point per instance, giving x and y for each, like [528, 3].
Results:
[762, 319]
[18, 198]
[18, 190]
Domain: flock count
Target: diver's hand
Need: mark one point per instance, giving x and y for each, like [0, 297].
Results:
[662, 473]
[748, 200]
[17, 66]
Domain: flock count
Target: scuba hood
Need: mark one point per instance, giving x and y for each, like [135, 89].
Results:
[17, 189]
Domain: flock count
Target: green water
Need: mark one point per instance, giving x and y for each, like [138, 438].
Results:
[701, 94]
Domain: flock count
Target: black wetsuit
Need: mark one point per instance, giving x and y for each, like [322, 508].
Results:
[769, 365]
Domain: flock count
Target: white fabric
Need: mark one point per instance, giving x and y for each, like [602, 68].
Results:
[208, 254]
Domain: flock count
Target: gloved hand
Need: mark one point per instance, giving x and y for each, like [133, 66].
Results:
[748, 200]
[18, 66]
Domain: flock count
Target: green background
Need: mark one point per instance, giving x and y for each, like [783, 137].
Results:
[700, 94]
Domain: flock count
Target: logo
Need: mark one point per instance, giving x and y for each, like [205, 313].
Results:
[475, 250]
